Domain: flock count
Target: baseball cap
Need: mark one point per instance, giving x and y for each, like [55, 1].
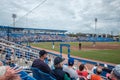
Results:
[116, 71]
[71, 61]
[58, 60]
[105, 65]
[2, 70]
[42, 52]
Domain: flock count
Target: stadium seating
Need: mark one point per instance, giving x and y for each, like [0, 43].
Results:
[39, 75]
[103, 73]
[29, 78]
[32, 52]
[25, 76]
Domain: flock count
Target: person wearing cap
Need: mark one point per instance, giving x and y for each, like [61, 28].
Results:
[69, 69]
[8, 73]
[115, 74]
[106, 69]
[58, 71]
[40, 64]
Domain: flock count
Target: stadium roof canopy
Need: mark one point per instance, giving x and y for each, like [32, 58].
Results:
[47, 30]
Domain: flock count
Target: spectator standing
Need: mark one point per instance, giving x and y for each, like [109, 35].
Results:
[53, 45]
[94, 44]
[80, 45]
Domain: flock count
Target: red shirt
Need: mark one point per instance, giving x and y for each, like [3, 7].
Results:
[95, 77]
[82, 73]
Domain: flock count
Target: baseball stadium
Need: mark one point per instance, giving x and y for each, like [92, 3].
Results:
[60, 52]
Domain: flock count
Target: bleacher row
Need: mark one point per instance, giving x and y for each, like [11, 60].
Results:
[24, 56]
[21, 37]
[25, 37]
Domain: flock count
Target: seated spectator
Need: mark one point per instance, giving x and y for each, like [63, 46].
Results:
[9, 60]
[95, 67]
[97, 75]
[83, 70]
[2, 52]
[106, 69]
[0, 49]
[58, 72]
[40, 64]
[7, 73]
[69, 69]
[115, 74]
[1, 64]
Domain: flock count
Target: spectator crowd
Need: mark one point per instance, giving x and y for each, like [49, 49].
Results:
[62, 70]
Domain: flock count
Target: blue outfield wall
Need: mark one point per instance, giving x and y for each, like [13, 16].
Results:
[100, 39]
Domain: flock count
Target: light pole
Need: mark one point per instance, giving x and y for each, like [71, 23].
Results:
[95, 36]
[8, 30]
[14, 16]
[95, 24]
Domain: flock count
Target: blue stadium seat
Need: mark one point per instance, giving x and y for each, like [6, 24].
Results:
[46, 61]
[23, 74]
[18, 53]
[8, 56]
[28, 78]
[39, 75]
[27, 55]
[94, 71]
[104, 73]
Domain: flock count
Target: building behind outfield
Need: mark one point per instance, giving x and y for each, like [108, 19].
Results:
[9, 29]
[19, 34]
[33, 34]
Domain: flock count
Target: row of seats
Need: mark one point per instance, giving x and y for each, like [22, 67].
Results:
[18, 54]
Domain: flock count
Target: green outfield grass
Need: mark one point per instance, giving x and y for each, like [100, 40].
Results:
[112, 56]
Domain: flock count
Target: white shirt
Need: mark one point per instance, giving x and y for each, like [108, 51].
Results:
[70, 71]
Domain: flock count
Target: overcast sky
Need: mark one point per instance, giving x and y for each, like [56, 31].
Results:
[72, 15]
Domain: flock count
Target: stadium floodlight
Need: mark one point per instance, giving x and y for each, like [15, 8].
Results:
[95, 24]
[95, 36]
[14, 16]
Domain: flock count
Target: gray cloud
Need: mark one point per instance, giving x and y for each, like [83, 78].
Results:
[72, 15]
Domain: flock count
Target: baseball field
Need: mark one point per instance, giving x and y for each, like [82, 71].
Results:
[103, 51]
